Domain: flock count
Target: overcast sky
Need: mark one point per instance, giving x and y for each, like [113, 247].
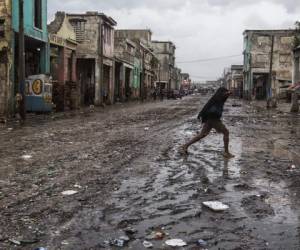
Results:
[201, 29]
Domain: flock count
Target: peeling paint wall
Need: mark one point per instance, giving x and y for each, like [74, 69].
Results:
[6, 86]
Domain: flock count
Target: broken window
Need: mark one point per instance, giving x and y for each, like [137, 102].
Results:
[2, 28]
[38, 14]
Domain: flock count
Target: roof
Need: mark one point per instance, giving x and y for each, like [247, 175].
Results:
[56, 24]
[108, 19]
[276, 31]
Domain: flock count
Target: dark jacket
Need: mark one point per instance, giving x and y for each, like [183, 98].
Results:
[213, 109]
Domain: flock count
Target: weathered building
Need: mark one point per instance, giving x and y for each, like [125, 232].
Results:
[144, 61]
[295, 88]
[178, 78]
[125, 50]
[6, 59]
[235, 85]
[165, 52]
[63, 46]
[36, 50]
[95, 56]
[267, 62]
[186, 81]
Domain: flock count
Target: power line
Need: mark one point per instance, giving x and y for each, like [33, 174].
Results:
[211, 59]
[203, 77]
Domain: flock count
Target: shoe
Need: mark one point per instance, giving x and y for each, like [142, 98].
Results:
[228, 155]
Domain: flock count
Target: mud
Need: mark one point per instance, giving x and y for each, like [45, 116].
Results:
[123, 161]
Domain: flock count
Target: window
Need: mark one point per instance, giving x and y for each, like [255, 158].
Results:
[2, 28]
[79, 28]
[38, 14]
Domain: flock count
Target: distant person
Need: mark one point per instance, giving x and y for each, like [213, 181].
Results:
[211, 118]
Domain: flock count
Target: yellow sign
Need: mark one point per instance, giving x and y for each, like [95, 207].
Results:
[37, 87]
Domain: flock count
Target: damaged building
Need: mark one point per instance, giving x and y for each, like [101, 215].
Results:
[6, 59]
[267, 63]
[125, 53]
[36, 54]
[144, 62]
[66, 92]
[165, 51]
[234, 80]
[95, 56]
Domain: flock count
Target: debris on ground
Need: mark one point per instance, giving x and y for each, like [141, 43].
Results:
[146, 129]
[175, 243]
[201, 243]
[69, 192]
[147, 244]
[130, 231]
[15, 242]
[156, 235]
[216, 206]
[40, 248]
[26, 157]
[120, 242]
[77, 186]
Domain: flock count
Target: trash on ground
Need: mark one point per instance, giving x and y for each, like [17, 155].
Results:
[147, 244]
[125, 238]
[64, 242]
[176, 243]
[146, 129]
[69, 192]
[16, 242]
[77, 186]
[130, 230]
[216, 206]
[26, 157]
[40, 248]
[156, 235]
[202, 243]
[117, 242]
[293, 167]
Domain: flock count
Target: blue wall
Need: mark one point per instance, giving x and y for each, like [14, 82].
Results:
[31, 31]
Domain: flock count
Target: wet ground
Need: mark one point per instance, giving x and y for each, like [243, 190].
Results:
[130, 180]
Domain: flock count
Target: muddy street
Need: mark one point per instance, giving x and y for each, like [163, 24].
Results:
[130, 183]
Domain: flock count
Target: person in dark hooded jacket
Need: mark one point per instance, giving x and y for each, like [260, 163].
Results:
[211, 115]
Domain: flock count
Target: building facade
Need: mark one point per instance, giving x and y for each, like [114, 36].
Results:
[125, 52]
[63, 59]
[235, 81]
[165, 52]
[6, 59]
[267, 62]
[95, 56]
[144, 63]
[36, 47]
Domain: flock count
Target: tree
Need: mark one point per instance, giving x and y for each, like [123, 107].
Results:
[297, 34]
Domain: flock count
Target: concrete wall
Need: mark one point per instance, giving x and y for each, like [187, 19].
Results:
[257, 54]
[89, 46]
[143, 35]
[6, 61]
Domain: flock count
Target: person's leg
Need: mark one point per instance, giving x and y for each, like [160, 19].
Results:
[203, 133]
[221, 128]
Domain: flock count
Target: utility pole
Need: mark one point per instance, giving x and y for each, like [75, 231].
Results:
[101, 63]
[22, 97]
[143, 74]
[269, 85]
